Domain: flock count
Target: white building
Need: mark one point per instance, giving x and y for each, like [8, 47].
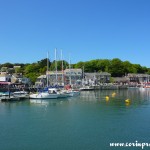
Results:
[5, 78]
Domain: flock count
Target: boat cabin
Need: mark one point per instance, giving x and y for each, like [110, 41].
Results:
[52, 90]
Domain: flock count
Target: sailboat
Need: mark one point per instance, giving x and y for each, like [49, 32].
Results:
[64, 92]
[53, 92]
[71, 92]
[47, 93]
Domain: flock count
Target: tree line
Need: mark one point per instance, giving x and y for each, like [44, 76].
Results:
[116, 67]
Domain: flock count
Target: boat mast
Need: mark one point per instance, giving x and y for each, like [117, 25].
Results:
[47, 67]
[56, 64]
[69, 70]
[83, 77]
[62, 68]
[83, 72]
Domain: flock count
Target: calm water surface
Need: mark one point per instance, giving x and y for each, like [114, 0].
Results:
[87, 122]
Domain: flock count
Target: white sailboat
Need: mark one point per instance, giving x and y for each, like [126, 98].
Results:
[53, 93]
[50, 93]
[62, 68]
[64, 93]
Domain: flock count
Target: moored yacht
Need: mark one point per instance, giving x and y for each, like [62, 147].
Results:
[51, 93]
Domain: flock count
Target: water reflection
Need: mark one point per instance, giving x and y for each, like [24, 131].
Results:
[128, 97]
[39, 101]
[50, 102]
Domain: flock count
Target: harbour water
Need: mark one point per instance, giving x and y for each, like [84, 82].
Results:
[87, 122]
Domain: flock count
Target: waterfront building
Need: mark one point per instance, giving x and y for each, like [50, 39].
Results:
[19, 78]
[25, 81]
[51, 78]
[15, 67]
[55, 77]
[5, 78]
[41, 81]
[68, 76]
[138, 78]
[73, 76]
[96, 78]
[121, 80]
[4, 70]
[14, 79]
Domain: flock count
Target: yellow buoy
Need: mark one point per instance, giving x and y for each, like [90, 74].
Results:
[113, 94]
[127, 100]
[107, 98]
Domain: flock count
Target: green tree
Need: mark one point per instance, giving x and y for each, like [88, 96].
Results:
[59, 65]
[32, 76]
[32, 71]
[9, 65]
[32, 68]
[139, 68]
[103, 65]
[42, 63]
[79, 64]
[88, 67]
[19, 70]
[43, 70]
[116, 68]
[148, 71]
[128, 68]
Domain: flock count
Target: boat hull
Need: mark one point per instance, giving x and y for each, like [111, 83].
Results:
[73, 93]
[44, 96]
[86, 88]
[21, 94]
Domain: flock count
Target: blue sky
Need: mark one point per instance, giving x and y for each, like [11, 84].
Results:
[83, 29]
